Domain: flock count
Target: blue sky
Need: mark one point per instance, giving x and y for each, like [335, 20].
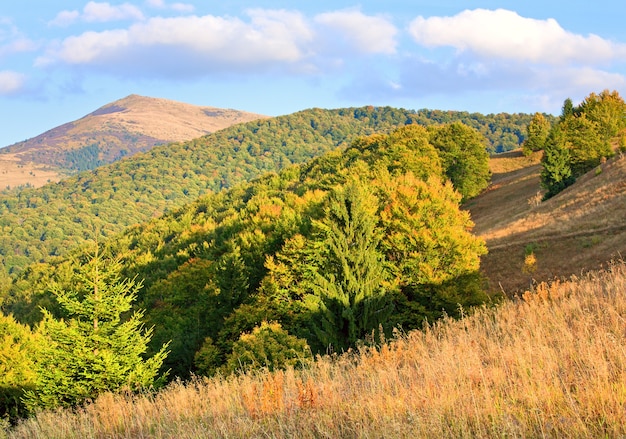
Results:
[62, 60]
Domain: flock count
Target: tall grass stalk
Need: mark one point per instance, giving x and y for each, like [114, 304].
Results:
[549, 364]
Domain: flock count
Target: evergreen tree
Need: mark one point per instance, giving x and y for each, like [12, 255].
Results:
[536, 134]
[568, 109]
[556, 174]
[94, 350]
[349, 292]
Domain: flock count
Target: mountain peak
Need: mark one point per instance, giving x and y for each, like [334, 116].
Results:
[124, 127]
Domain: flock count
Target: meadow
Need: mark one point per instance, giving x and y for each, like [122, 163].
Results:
[549, 363]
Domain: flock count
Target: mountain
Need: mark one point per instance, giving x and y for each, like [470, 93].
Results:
[580, 229]
[119, 129]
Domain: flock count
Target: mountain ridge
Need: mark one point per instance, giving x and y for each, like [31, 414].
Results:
[118, 129]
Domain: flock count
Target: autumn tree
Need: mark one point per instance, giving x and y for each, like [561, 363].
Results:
[95, 348]
[18, 350]
[586, 143]
[269, 347]
[608, 110]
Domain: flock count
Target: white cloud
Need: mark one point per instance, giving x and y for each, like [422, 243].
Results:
[178, 7]
[65, 18]
[182, 7]
[367, 34]
[506, 35]
[12, 40]
[95, 12]
[104, 12]
[11, 82]
[191, 45]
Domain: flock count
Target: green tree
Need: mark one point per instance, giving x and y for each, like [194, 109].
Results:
[586, 143]
[568, 109]
[268, 346]
[349, 294]
[608, 110]
[94, 350]
[464, 155]
[536, 134]
[18, 350]
[556, 173]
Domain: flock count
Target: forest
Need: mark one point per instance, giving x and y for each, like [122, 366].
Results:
[325, 255]
[263, 246]
[57, 217]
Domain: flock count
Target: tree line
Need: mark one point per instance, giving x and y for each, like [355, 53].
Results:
[583, 137]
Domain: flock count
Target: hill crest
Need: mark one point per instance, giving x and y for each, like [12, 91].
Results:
[118, 129]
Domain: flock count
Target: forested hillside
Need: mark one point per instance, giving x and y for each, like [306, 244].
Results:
[322, 255]
[44, 222]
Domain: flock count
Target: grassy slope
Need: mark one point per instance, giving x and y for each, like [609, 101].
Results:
[550, 365]
[580, 229]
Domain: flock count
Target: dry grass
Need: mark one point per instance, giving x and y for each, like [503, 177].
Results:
[549, 364]
[580, 229]
[14, 173]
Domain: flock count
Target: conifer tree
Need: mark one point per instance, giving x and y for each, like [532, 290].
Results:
[349, 292]
[95, 349]
[556, 173]
[568, 109]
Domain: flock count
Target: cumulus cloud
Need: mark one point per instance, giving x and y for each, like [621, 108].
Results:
[96, 12]
[11, 82]
[367, 34]
[506, 35]
[190, 45]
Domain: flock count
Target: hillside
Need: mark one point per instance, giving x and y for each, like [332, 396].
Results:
[119, 129]
[218, 267]
[48, 221]
[578, 230]
[550, 365]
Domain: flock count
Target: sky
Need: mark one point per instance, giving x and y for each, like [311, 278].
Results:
[62, 60]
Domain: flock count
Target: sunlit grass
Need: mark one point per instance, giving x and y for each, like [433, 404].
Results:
[549, 364]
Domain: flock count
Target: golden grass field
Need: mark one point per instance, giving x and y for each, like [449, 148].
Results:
[14, 173]
[551, 363]
[580, 229]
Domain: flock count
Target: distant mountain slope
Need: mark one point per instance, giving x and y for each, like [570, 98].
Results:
[580, 229]
[122, 128]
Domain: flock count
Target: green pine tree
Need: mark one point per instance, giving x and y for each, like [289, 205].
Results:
[556, 173]
[95, 349]
[349, 293]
